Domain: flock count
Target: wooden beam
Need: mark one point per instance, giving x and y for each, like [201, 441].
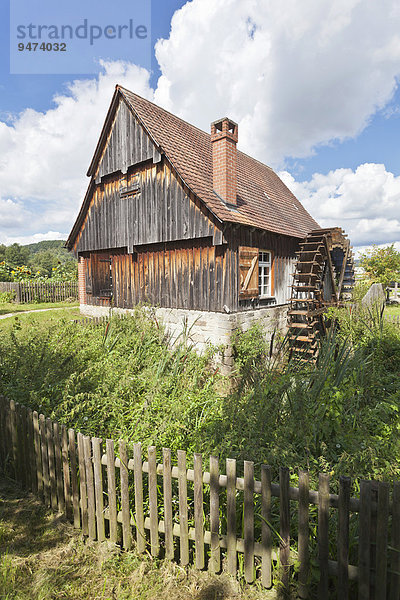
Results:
[342, 272]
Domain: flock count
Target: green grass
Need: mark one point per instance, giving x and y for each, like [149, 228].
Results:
[392, 310]
[23, 319]
[11, 307]
[43, 557]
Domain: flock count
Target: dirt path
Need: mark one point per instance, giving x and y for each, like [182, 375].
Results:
[24, 312]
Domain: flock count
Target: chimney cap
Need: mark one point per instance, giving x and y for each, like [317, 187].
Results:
[224, 127]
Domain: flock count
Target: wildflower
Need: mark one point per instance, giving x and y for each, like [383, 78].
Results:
[337, 445]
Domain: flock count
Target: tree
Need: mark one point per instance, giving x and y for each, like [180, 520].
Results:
[16, 255]
[381, 265]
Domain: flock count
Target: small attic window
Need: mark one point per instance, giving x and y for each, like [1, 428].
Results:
[130, 189]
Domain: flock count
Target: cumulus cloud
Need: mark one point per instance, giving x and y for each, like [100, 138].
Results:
[365, 202]
[44, 156]
[294, 75]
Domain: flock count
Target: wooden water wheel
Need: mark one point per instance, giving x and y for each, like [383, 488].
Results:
[324, 277]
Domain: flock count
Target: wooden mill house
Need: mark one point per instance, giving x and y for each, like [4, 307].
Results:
[181, 220]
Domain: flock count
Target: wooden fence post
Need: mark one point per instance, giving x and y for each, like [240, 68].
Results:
[59, 469]
[343, 538]
[82, 486]
[198, 511]
[112, 492]
[126, 518]
[153, 505]
[139, 515]
[98, 485]
[215, 559]
[323, 534]
[395, 553]
[364, 541]
[66, 473]
[52, 470]
[45, 460]
[284, 547]
[167, 490]
[381, 541]
[303, 536]
[248, 521]
[91, 507]
[74, 478]
[231, 515]
[183, 509]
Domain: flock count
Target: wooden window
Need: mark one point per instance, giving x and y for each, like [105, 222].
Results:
[248, 272]
[265, 284]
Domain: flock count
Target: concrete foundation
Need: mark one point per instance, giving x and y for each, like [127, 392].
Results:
[209, 328]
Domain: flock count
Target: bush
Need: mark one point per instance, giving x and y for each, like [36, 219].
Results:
[7, 297]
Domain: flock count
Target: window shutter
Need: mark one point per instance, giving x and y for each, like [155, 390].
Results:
[248, 272]
[88, 276]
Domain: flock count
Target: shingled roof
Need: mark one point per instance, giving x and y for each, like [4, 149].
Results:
[263, 200]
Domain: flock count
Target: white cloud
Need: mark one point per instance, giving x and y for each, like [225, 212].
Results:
[294, 75]
[365, 202]
[44, 156]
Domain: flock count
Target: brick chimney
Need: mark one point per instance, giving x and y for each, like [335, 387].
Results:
[224, 137]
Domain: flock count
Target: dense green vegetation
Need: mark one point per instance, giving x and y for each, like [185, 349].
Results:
[381, 264]
[123, 381]
[46, 259]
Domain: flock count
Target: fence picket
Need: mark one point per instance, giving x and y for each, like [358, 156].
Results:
[343, 539]
[198, 511]
[82, 486]
[74, 478]
[91, 504]
[112, 493]
[215, 558]
[303, 537]
[59, 470]
[153, 507]
[323, 534]
[394, 586]
[45, 460]
[266, 539]
[32, 454]
[284, 547]
[38, 457]
[248, 518]
[364, 540]
[66, 474]
[52, 466]
[231, 515]
[98, 487]
[167, 490]
[13, 424]
[126, 519]
[139, 515]
[381, 541]
[23, 447]
[183, 509]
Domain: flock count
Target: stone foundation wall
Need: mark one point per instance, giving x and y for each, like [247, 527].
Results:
[206, 328]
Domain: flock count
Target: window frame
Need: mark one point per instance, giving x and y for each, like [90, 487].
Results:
[262, 264]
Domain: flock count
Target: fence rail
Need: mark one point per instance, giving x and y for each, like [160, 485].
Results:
[40, 291]
[208, 518]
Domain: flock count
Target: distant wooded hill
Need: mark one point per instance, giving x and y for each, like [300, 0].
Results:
[42, 256]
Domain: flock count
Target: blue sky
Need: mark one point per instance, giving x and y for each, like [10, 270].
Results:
[314, 89]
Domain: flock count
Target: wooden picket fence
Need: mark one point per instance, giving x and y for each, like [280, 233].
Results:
[117, 495]
[393, 319]
[41, 291]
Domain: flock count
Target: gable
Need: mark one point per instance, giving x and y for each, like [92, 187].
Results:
[127, 144]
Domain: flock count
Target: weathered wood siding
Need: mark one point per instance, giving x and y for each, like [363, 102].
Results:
[127, 144]
[160, 211]
[283, 249]
[191, 274]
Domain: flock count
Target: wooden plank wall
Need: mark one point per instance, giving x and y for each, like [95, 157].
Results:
[160, 211]
[192, 275]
